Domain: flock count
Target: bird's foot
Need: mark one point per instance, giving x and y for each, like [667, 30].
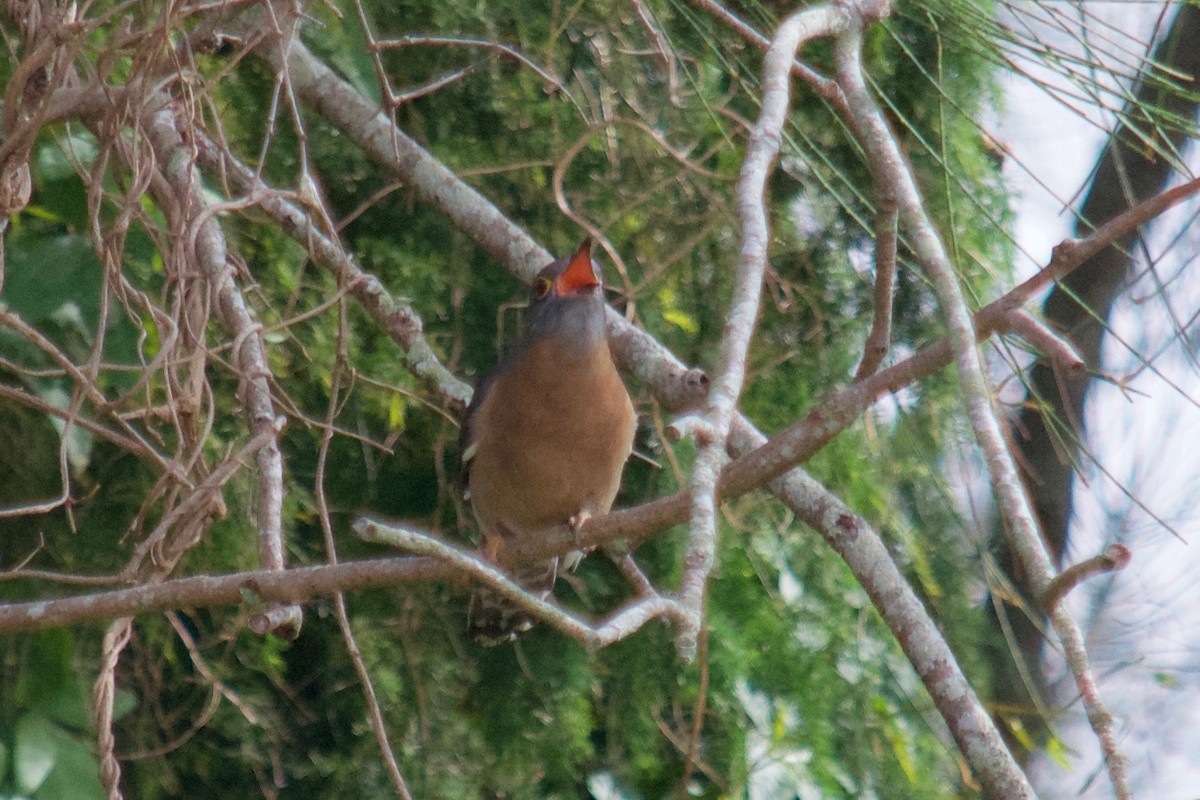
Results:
[576, 523]
[491, 549]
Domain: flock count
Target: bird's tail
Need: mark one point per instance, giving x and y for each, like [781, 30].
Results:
[493, 620]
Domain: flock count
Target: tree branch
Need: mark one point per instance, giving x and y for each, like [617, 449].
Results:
[864, 552]
[391, 312]
[761, 152]
[621, 624]
[207, 244]
[879, 340]
[1020, 525]
[1114, 557]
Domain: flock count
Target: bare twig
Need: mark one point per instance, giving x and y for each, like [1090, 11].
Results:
[198, 723]
[1114, 557]
[441, 82]
[63, 497]
[1071, 253]
[683, 746]
[820, 84]
[378, 726]
[219, 686]
[1048, 343]
[66, 578]
[879, 340]
[628, 567]
[88, 389]
[480, 44]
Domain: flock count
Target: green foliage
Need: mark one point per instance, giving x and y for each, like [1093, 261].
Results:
[45, 752]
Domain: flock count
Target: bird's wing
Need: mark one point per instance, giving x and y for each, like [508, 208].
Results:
[468, 435]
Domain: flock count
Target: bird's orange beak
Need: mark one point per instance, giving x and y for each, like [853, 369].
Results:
[579, 274]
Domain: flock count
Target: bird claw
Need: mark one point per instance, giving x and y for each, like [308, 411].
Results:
[576, 523]
[491, 549]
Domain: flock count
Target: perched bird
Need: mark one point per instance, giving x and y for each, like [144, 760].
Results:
[547, 433]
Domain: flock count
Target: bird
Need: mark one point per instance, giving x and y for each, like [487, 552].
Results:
[546, 434]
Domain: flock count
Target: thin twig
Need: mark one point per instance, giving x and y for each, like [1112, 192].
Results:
[66, 578]
[624, 562]
[428, 88]
[481, 44]
[374, 712]
[1114, 557]
[206, 672]
[820, 84]
[1054, 347]
[879, 340]
[87, 387]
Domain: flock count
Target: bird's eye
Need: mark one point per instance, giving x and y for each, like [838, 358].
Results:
[541, 288]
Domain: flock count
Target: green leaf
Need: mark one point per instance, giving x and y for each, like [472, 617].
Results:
[76, 772]
[1058, 752]
[1166, 680]
[51, 764]
[396, 412]
[56, 160]
[34, 751]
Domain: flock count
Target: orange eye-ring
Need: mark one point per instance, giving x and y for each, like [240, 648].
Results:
[541, 288]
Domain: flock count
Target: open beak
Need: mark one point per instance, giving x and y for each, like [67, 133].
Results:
[579, 274]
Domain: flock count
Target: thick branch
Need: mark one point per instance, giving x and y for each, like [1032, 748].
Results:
[761, 152]
[295, 585]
